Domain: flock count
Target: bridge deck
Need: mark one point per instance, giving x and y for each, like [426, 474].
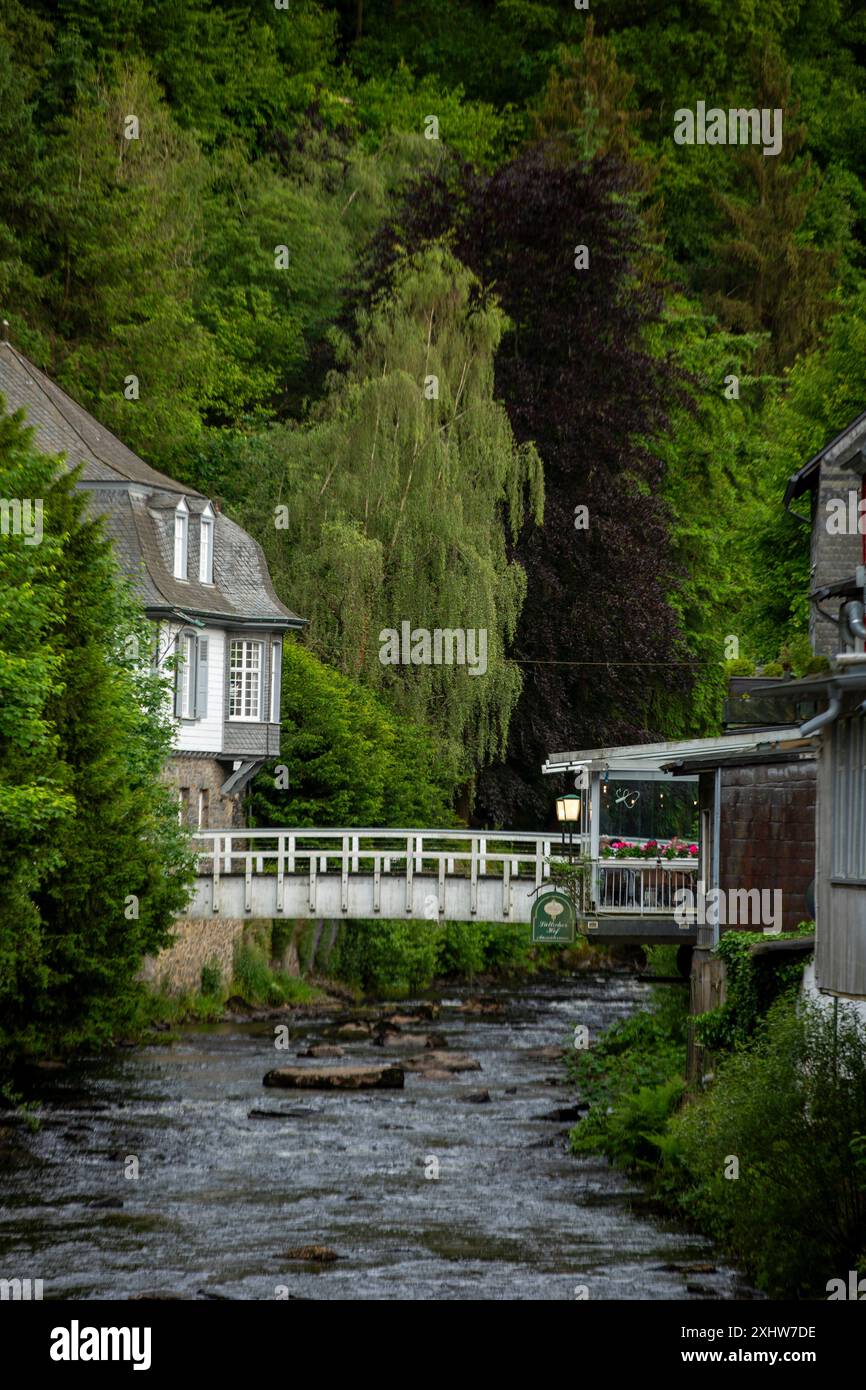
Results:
[429, 875]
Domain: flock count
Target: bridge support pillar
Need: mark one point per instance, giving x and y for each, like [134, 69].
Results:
[706, 991]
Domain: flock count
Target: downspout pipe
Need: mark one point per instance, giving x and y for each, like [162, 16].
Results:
[854, 615]
[826, 716]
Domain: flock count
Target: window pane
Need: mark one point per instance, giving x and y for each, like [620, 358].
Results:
[245, 661]
[185, 676]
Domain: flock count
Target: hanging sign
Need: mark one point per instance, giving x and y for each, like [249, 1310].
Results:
[553, 919]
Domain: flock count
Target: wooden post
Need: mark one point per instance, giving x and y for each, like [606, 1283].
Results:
[707, 988]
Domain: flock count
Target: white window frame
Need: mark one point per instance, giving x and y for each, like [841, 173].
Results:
[186, 644]
[250, 674]
[181, 539]
[205, 548]
[276, 661]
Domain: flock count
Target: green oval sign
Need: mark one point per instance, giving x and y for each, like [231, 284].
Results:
[553, 918]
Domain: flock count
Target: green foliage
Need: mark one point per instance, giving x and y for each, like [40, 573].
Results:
[824, 393]
[773, 276]
[753, 983]
[395, 959]
[791, 1108]
[93, 864]
[211, 980]
[632, 1079]
[349, 759]
[418, 532]
[390, 958]
[396, 101]
[255, 982]
[262, 127]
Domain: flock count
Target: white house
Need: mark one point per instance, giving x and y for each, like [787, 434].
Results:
[204, 582]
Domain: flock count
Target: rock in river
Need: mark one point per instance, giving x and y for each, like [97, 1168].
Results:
[336, 1078]
[318, 1254]
[353, 1032]
[442, 1061]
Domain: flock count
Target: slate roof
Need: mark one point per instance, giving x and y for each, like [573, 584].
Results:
[838, 450]
[138, 504]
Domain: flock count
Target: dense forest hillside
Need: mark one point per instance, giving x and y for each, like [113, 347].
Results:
[432, 301]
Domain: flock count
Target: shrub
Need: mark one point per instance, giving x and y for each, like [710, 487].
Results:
[632, 1079]
[211, 980]
[791, 1108]
[388, 957]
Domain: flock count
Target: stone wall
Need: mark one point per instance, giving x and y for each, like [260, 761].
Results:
[201, 772]
[767, 833]
[177, 969]
[199, 942]
[834, 558]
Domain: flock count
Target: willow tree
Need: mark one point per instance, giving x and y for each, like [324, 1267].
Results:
[396, 504]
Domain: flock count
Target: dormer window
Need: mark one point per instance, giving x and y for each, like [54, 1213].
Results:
[205, 547]
[181, 533]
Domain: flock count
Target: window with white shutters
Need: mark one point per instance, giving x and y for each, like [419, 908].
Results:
[186, 698]
[191, 676]
[276, 672]
[245, 680]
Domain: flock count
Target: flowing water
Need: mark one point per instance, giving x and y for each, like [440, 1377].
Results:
[221, 1196]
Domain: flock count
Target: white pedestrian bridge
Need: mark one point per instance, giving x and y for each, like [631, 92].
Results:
[429, 875]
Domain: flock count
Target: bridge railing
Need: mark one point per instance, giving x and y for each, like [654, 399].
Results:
[313, 852]
[642, 886]
[645, 888]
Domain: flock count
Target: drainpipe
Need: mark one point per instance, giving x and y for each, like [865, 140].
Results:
[854, 614]
[821, 720]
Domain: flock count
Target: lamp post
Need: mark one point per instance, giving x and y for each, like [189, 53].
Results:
[568, 815]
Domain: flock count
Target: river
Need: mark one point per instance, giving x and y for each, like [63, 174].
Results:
[220, 1196]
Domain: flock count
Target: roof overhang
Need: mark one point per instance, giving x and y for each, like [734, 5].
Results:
[845, 451]
[835, 687]
[226, 620]
[791, 749]
[648, 758]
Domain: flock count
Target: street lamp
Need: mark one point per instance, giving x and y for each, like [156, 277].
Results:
[568, 815]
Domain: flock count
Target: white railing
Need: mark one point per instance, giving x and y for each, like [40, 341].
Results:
[644, 887]
[313, 852]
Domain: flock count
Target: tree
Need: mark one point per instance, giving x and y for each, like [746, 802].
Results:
[93, 861]
[126, 231]
[348, 759]
[598, 640]
[399, 496]
[714, 485]
[823, 393]
[588, 102]
[35, 800]
[771, 277]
